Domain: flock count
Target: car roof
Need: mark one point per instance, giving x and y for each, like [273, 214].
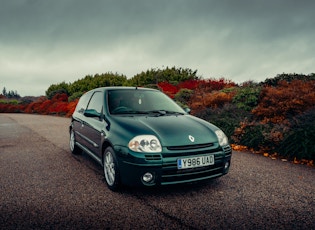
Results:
[121, 88]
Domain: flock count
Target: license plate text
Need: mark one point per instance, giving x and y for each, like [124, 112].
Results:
[193, 162]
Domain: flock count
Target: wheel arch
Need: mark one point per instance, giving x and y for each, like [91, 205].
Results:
[105, 145]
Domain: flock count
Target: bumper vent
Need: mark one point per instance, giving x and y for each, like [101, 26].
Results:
[227, 149]
[153, 157]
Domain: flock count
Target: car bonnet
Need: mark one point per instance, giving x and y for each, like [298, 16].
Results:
[171, 130]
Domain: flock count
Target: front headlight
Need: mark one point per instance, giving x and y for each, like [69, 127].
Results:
[145, 143]
[223, 140]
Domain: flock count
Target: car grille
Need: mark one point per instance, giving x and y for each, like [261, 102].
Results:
[158, 157]
[188, 147]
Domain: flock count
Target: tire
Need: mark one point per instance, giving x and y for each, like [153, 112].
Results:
[111, 171]
[72, 143]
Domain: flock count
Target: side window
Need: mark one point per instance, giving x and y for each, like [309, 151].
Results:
[96, 102]
[82, 104]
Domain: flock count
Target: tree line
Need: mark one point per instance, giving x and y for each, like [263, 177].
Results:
[147, 78]
[10, 93]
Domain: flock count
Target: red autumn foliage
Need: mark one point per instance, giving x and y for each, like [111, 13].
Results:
[9, 108]
[57, 105]
[201, 86]
[71, 107]
[168, 88]
[60, 97]
[214, 84]
[58, 108]
[44, 107]
[189, 84]
[34, 107]
[207, 94]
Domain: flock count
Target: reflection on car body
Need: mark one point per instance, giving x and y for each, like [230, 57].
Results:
[142, 137]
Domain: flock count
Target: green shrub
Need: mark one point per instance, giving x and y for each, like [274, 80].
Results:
[172, 75]
[75, 95]
[227, 118]
[183, 96]
[10, 101]
[299, 141]
[246, 97]
[288, 77]
[253, 136]
[57, 89]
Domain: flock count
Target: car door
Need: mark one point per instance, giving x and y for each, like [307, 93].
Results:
[78, 122]
[93, 125]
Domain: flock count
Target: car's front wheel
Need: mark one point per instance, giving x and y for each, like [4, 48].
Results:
[73, 147]
[111, 171]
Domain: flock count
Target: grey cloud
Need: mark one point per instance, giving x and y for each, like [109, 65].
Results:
[57, 40]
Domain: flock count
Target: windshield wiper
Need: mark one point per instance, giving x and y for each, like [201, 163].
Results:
[165, 112]
[161, 112]
[140, 112]
[174, 113]
[130, 112]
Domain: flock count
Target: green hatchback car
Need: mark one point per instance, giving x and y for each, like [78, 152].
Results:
[140, 136]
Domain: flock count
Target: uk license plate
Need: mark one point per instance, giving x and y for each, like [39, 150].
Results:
[194, 162]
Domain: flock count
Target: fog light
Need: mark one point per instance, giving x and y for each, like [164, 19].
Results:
[226, 165]
[147, 177]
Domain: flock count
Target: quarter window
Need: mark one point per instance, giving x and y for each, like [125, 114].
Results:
[82, 104]
[96, 102]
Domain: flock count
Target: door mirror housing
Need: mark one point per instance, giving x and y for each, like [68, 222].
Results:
[187, 110]
[91, 113]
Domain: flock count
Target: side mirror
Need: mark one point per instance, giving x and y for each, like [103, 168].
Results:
[91, 113]
[187, 110]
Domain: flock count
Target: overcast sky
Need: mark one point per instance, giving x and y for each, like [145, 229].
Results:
[44, 42]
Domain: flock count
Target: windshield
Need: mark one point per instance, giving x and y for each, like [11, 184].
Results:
[139, 101]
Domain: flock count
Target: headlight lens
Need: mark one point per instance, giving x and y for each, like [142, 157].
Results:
[145, 143]
[223, 140]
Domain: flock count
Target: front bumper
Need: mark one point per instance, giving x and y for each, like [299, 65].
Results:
[163, 166]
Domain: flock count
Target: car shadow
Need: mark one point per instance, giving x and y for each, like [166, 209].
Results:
[178, 189]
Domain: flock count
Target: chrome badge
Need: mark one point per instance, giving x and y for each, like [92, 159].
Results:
[191, 138]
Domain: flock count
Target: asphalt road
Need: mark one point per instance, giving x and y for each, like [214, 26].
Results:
[43, 186]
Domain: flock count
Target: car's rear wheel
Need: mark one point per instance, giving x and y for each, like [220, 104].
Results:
[73, 147]
[111, 171]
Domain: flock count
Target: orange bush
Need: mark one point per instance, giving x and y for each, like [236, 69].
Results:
[217, 99]
[71, 107]
[286, 100]
[207, 94]
[214, 100]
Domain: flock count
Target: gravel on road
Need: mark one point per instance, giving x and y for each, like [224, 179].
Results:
[44, 186]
